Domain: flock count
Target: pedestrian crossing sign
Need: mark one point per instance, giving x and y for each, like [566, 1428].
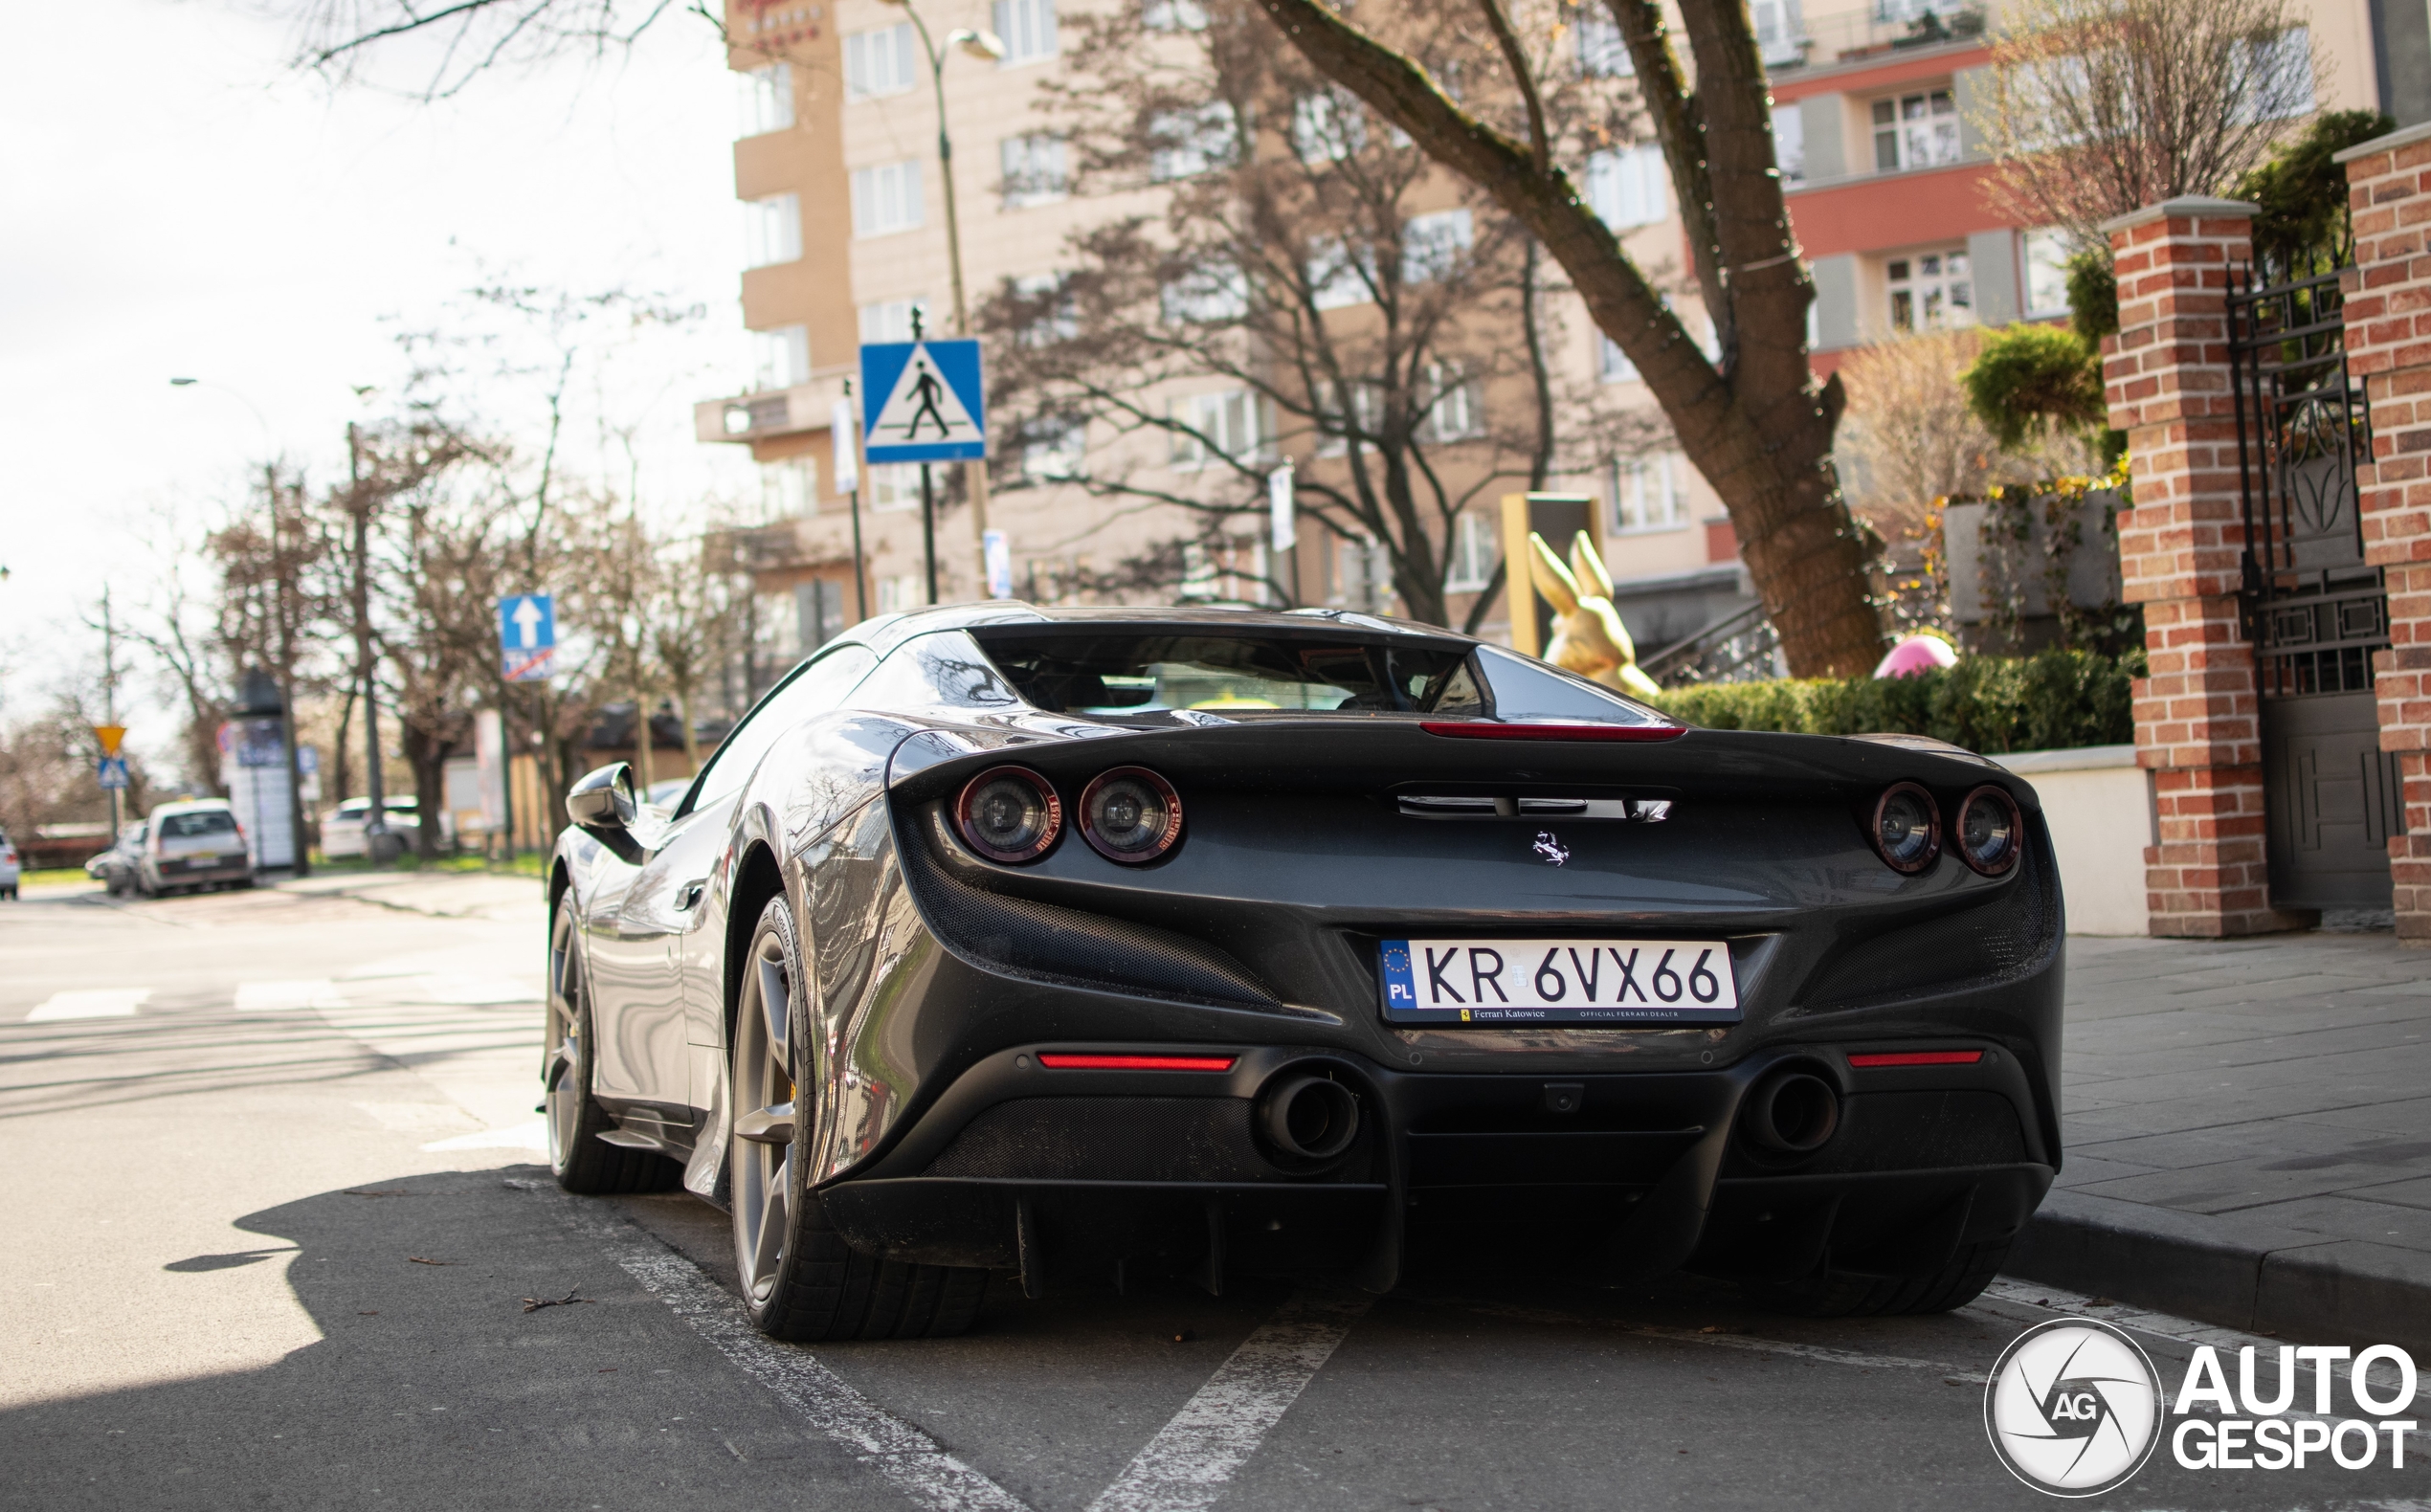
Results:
[934, 409]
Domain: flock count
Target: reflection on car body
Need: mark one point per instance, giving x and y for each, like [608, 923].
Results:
[1066, 942]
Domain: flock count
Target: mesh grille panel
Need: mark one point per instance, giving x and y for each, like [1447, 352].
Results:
[1109, 1139]
[1977, 947]
[1069, 947]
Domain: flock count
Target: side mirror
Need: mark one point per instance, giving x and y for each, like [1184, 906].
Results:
[603, 805]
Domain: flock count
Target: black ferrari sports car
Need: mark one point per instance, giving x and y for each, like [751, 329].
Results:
[1078, 943]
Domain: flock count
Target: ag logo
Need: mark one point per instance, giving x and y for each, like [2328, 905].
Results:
[2073, 1407]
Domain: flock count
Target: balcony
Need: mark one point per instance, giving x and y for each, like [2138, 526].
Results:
[1878, 27]
[771, 413]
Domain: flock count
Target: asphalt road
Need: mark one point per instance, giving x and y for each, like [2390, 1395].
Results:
[279, 1234]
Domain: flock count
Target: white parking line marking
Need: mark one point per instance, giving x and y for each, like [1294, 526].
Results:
[1751, 1344]
[99, 1002]
[272, 997]
[1192, 1459]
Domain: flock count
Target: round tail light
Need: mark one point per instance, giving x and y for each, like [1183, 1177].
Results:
[1130, 814]
[1989, 829]
[1008, 813]
[1906, 827]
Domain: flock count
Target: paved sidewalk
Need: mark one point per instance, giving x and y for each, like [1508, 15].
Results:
[2249, 1134]
[498, 896]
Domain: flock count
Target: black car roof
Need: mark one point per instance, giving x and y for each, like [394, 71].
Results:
[884, 632]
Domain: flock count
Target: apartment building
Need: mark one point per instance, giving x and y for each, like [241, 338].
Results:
[837, 172]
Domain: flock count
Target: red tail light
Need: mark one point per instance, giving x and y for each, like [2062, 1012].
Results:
[1488, 730]
[1917, 1058]
[1061, 1061]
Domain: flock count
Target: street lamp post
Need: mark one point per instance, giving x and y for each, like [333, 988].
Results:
[987, 47]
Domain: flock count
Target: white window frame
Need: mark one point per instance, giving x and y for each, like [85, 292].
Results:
[1337, 278]
[772, 231]
[1629, 187]
[1650, 494]
[1789, 142]
[1055, 454]
[888, 198]
[1918, 129]
[780, 358]
[1602, 53]
[1459, 410]
[901, 591]
[1035, 168]
[1326, 127]
[1433, 244]
[1231, 421]
[1027, 28]
[1173, 15]
[1939, 287]
[767, 99]
[889, 320]
[891, 486]
[2281, 71]
[1475, 547]
[2043, 259]
[1205, 297]
[1061, 324]
[1611, 363]
[880, 62]
[1188, 142]
[788, 488]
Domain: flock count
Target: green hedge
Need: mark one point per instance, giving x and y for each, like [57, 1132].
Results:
[2048, 702]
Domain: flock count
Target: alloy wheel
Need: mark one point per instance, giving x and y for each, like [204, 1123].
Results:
[561, 1054]
[760, 1154]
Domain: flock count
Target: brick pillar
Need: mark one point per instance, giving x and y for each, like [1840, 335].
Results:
[2198, 717]
[2388, 299]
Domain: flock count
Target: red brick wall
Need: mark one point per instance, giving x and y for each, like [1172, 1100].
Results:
[2198, 718]
[2388, 296]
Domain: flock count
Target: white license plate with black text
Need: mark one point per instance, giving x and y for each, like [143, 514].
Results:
[1558, 981]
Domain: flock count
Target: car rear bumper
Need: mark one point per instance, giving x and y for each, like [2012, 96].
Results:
[175, 873]
[1074, 1172]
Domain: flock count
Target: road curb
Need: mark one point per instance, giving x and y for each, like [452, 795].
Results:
[2230, 1271]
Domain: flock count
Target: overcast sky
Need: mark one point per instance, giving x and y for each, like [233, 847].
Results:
[180, 203]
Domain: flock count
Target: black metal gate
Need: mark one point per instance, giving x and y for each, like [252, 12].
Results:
[2314, 611]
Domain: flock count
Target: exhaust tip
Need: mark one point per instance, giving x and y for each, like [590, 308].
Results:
[1792, 1113]
[1308, 1117]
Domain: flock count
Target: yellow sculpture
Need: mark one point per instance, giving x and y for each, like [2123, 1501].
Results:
[1589, 637]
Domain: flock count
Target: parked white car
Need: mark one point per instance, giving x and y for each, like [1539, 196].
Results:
[342, 826]
[10, 870]
[197, 844]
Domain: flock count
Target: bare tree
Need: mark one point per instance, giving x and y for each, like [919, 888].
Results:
[2099, 107]
[1353, 304]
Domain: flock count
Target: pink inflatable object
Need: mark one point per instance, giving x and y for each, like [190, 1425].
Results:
[1916, 654]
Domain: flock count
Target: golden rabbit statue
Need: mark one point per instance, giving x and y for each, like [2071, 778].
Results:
[1589, 637]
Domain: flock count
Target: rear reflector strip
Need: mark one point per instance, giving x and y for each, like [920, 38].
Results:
[1486, 731]
[1071, 1062]
[1918, 1058]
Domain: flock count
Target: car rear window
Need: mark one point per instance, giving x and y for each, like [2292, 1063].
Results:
[1131, 671]
[193, 826]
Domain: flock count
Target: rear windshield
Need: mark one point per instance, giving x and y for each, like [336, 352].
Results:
[1133, 673]
[189, 826]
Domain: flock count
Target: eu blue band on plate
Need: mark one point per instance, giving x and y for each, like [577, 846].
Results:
[1400, 987]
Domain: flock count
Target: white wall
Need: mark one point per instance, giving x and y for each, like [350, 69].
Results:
[2098, 804]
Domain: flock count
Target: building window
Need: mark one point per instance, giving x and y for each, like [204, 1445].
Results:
[1188, 142]
[772, 231]
[767, 100]
[1028, 29]
[1915, 131]
[1931, 291]
[1789, 142]
[781, 358]
[1337, 278]
[1214, 424]
[1628, 187]
[1611, 363]
[788, 489]
[2282, 83]
[893, 485]
[880, 62]
[1363, 575]
[1474, 551]
[886, 199]
[1035, 169]
[1602, 52]
[2046, 274]
[1327, 128]
[1053, 449]
[1778, 37]
[1651, 492]
[1335, 423]
[1456, 412]
[889, 320]
[1173, 15]
[1055, 315]
[901, 593]
[1205, 297]
[1432, 246]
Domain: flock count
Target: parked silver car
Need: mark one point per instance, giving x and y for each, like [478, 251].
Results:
[115, 867]
[196, 844]
[9, 869]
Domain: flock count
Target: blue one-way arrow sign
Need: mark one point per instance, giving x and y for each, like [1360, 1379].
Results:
[527, 634]
[923, 401]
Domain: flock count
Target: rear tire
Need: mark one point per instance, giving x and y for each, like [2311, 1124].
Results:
[582, 1161]
[1839, 1295]
[800, 1279]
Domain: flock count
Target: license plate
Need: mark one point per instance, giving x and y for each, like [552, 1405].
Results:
[1558, 982]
